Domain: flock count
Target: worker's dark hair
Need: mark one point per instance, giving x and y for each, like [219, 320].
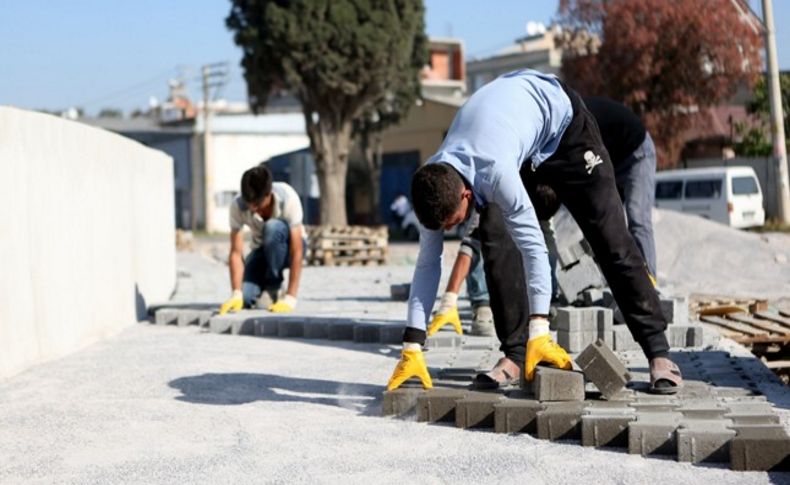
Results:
[256, 183]
[544, 200]
[436, 194]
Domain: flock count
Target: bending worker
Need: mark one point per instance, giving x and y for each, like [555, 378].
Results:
[633, 156]
[273, 212]
[528, 124]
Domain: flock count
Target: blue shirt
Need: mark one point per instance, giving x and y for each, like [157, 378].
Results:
[518, 117]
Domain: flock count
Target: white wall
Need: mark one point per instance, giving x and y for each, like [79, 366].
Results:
[233, 154]
[86, 223]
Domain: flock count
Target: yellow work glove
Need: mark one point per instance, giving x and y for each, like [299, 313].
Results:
[541, 348]
[411, 364]
[446, 313]
[286, 304]
[234, 303]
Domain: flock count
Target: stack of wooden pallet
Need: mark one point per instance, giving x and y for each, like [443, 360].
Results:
[746, 321]
[347, 245]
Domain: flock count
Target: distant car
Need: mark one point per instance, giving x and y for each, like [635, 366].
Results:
[411, 229]
[730, 195]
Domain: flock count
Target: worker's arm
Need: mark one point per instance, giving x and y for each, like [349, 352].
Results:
[425, 284]
[296, 250]
[236, 266]
[287, 303]
[522, 224]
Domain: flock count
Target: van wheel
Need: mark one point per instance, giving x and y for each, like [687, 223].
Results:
[412, 234]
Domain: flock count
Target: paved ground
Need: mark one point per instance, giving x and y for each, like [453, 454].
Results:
[179, 405]
[174, 405]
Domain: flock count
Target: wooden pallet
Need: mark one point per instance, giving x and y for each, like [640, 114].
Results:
[761, 328]
[347, 245]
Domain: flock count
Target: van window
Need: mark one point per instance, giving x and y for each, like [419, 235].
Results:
[744, 186]
[703, 189]
[669, 190]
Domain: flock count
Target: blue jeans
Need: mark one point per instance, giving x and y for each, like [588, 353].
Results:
[263, 269]
[476, 281]
[637, 187]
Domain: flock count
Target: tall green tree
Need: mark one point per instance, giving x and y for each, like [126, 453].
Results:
[341, 59]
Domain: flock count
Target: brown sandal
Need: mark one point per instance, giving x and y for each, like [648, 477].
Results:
[665, 377]
[505, 373]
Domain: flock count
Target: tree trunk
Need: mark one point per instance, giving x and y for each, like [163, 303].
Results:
[373, 160]
[330, 143]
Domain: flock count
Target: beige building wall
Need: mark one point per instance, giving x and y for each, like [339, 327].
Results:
[87, 235]
[423, 129]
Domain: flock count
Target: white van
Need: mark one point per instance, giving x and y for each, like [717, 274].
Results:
[730, 195]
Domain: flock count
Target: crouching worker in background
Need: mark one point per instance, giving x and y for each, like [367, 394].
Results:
[273, 212]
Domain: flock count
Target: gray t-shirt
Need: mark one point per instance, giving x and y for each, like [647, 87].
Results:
[287, 206]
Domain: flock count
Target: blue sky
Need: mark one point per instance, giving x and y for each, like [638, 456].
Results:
[114, 53]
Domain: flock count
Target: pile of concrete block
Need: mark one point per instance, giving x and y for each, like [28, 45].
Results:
[578, 327]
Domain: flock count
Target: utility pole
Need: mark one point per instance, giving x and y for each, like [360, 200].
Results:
[777, 116]
[213, 76]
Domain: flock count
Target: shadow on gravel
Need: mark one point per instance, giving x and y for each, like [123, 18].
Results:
[242, 388]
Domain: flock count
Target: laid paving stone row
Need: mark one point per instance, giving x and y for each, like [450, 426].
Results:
[701, 424]
[720, 416]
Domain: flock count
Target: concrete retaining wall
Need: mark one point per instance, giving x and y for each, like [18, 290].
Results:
[86, 235]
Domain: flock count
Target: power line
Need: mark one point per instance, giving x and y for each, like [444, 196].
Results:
[130, 89]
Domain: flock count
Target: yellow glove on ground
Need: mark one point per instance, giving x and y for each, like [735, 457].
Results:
[234, 303]
[411, 364]
[446, 313]
[285, 304]
[544, 349]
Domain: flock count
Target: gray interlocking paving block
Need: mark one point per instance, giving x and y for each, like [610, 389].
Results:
[578, 277]
[552, 384]
[366, 332]
[760, 448]
[190, 316]
[458, 373]
[341, 330]
[653, 434]
[577, 319]
[391, 334]
[751, 418]
[600, 365]
[704, 441]
[443, 341]
[290, 328]
[438, 404]
[623, 341]
[608, 428]
[316, 329]
[702, 409]
[560, 420]
[517, 415]
[400, 401]
[592, 296]
[476, 410]
[575, 342]
[675, 310]
[267, 326]
[222, 323]
[166, 316]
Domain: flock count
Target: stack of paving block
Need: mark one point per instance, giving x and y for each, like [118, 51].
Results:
[347, 245]
[701, 424]
[184, 316]
[576, 269]
[578, 327]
